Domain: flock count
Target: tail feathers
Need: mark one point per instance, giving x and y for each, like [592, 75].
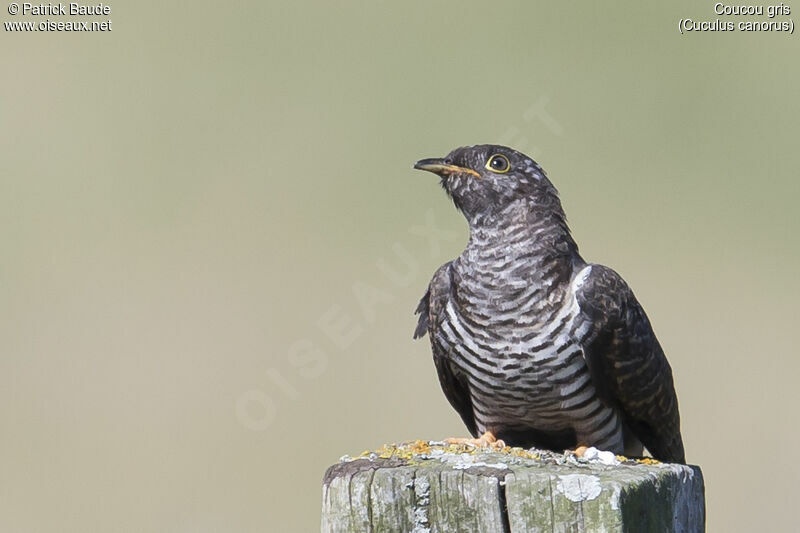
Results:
[673, 452]
[668, 450]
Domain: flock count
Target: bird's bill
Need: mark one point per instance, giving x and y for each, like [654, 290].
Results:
[438, 166]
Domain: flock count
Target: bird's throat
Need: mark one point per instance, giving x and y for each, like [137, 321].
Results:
[517, 262]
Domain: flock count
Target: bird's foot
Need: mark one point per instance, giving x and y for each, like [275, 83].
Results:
[487, 440]
[579, 451]
[592, 454]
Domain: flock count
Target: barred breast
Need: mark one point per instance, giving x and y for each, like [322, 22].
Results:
[511, 326]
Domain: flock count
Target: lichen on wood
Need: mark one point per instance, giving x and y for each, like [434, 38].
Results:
[432, 487]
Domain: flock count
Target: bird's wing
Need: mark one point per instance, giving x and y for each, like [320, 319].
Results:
[627, 363]
[453, 384]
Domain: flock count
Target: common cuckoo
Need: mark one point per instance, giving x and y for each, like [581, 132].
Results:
[533, 345]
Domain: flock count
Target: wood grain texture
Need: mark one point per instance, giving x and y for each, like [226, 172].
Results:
[446, 491]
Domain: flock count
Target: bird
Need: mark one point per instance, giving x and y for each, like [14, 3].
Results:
[534, 346]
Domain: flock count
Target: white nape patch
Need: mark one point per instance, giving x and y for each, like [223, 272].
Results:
[579, 487]
[532, 168]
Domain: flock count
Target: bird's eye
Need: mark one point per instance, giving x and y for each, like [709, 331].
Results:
[498, 163]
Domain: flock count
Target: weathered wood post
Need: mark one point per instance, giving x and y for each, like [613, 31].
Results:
[431, 487]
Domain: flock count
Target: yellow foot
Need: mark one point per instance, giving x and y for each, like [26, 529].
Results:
[579, 451]
[487, 440]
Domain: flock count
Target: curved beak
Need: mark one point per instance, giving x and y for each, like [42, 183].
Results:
[438, 166]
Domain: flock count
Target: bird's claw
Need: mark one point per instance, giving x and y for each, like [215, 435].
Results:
[579, 451]
[487, 440]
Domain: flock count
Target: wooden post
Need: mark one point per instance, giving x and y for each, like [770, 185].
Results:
[429, 487]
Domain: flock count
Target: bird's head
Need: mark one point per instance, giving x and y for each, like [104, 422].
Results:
[484, 180]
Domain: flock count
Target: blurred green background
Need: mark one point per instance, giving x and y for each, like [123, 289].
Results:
[212, 241]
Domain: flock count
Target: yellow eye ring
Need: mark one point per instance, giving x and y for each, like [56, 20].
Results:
[498, 164]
